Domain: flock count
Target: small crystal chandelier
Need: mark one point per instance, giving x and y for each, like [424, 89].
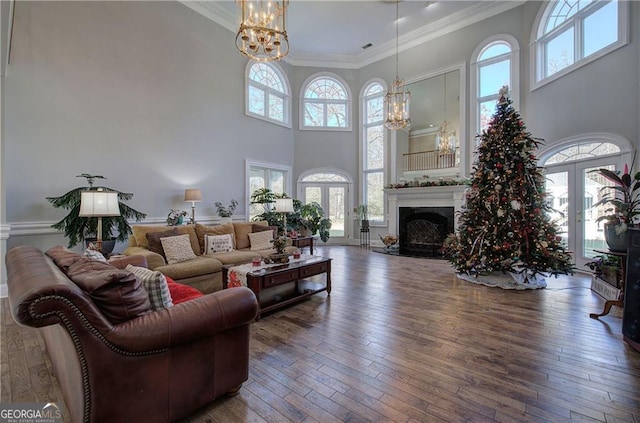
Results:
[263, 35]
[397, 100]
[445, 139]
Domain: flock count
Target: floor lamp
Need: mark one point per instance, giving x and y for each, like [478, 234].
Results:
[194, 196]
[284, 206]
[99, 203]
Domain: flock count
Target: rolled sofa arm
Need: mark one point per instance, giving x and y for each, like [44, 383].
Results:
[153, 259]
[186, 322]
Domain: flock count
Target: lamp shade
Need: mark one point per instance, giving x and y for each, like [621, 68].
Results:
[284, 205]
[99, 203]
[191, 194]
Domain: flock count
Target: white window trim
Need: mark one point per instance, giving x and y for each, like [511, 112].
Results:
[626, 148]
[514, 77]
[361, 152]
[287, 95]
[265, 165]
[348, 103]
[536, 59]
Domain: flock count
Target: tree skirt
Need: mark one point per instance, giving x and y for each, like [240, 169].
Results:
[517, 281]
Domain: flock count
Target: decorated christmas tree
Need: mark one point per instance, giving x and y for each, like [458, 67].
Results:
[504, 226]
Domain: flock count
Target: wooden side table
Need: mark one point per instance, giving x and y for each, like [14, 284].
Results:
[620, 301]
[301, 242]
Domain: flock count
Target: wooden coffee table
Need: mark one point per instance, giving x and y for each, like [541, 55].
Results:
[285, 284]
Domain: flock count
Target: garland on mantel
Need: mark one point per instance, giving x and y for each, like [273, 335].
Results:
[441, 182]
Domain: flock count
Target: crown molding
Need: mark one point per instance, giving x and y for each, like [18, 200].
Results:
[475, 13]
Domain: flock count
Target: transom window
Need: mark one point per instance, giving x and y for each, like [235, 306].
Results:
[267, 93]
[571, 33]
[324, 177]
[582, 151]
[325, 104]
[373, 159]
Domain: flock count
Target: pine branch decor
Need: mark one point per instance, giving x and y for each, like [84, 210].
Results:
[504, 225]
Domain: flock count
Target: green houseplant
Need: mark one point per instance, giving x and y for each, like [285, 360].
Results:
[312, 217]
[623, 200]
[78, 228]
[361, 213]
[225, 211]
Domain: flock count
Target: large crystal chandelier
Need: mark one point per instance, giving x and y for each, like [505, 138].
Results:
[445, 139]
[397, 100]
[263, 35]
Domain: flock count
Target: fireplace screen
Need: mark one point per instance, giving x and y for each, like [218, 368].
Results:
[424, 229]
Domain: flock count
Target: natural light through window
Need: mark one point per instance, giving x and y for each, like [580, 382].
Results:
[325, 104]
[373, 150]
[587, 150]
[573, 32]
[268, 94]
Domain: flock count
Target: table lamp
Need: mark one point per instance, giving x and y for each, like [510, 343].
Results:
[99, 203]
[284, 206]
[194, 196]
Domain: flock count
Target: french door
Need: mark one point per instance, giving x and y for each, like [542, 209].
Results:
[573, 188]
[334, 199]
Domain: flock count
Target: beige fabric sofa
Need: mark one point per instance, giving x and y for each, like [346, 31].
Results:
[205, 271]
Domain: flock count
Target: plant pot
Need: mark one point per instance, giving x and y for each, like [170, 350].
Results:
[364, 224]
[107, 244]
[616, 242]
[279, 258]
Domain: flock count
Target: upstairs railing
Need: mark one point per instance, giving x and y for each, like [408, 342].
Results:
[429, 160]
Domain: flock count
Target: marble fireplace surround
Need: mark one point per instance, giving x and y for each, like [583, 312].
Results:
[440, 196]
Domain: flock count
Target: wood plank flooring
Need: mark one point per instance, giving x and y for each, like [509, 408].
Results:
[403, 340]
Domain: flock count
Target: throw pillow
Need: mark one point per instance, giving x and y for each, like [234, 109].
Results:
[181, 292]
[140, 234]
[261, 228]
[202, 230]
[177, 249]
[218, 243]
[153, 238]
[261, 240]
[118, 294]
[155, 284]
[94, 254]
[242, 231]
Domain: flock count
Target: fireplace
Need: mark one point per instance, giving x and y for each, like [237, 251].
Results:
[422, 230]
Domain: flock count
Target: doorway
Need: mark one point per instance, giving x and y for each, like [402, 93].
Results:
[332, 191]
[573, 185]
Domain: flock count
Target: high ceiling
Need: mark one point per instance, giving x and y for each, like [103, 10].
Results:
[333, 32]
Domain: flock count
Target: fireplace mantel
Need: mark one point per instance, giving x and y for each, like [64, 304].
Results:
[438, 196]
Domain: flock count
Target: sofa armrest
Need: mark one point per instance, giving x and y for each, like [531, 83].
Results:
[186, 322]
[153, 259]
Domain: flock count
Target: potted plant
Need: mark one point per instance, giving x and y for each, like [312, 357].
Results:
[266, 198]
[78, 228]
[225, 213]
[312, 218]
[176, 217]
[624, 202]
[361, 213]
[608, 268]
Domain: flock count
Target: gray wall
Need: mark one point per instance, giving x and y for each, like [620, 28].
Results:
[151, 95]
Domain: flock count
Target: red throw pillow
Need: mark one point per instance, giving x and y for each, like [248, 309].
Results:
[181, 292]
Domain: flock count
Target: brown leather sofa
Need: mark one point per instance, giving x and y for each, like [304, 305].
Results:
[157, 367]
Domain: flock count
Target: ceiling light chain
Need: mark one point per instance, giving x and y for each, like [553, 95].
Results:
[263, 34]
[397, 100]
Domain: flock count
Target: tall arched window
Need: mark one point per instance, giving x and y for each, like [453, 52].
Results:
[325, 103]
[267, 93]
[372, 138]
[570, 33]
[494, 63]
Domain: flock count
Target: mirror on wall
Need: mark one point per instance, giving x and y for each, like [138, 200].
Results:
[424, 149]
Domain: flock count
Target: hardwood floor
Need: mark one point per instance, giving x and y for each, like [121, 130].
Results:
[403, 340]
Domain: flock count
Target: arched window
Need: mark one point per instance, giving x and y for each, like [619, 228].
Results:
[494, 63]
[582, 151]
[571, 33]
[325, 103]
[372, 141]
[267, 93]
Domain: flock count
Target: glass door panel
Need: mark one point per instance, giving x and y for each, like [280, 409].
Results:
[592, 231]
[557, 188]
[336, 210]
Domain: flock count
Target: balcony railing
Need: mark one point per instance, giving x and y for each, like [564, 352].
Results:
[429, 160]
